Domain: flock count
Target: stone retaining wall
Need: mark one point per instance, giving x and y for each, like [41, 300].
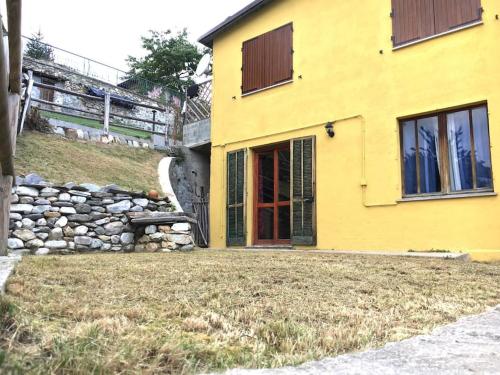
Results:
[82, 133]
[47, 219]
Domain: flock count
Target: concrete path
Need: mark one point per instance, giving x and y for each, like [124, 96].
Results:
[7, 265]
[470, 346]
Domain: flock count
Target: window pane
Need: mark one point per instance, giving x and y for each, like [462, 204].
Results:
[266, 177]
[410, 157]
[459, 151]
[482, 148]
[266, 223]
[240, 222]
[428, 141]
[231, 178]
[284, 175]
[284, 223]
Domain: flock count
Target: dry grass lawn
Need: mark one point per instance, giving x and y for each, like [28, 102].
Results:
[209, 311]
[59, 161]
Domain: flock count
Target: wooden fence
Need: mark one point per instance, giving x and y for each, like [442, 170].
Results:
[10, 94]
[198, 105]
[170, 133]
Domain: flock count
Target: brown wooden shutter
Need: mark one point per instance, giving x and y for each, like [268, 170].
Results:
[268, 59]
[303, 192]
[450, 14]
[236, 231]
[280, 55]
[252, 66]
[412, 20]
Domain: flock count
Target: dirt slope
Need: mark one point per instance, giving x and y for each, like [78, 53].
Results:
[58, 160]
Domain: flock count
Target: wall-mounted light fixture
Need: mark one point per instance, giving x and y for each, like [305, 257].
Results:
[329, 129]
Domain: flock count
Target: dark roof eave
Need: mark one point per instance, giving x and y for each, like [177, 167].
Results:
[208, 38]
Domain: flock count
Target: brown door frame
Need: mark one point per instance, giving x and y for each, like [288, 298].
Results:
[276, 204]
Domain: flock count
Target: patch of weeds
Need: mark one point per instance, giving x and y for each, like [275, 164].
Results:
[284, 336]
[82, 354]
[7, 312]
[11, 366]
[203, 354]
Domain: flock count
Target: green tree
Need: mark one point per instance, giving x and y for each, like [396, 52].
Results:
[171, 59]
[36, 49]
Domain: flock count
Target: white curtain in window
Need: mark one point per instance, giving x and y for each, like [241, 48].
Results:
[482, 147]
[460, 151]
[455, 180]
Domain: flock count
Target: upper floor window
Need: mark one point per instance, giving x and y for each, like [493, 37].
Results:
[446, 152]
[268, 59]
[419, 19]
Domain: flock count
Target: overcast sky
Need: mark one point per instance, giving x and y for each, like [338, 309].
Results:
[110, 30]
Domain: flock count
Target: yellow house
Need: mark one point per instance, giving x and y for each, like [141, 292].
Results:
[357, 125]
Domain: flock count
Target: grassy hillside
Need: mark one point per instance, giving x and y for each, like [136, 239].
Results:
[59, 161]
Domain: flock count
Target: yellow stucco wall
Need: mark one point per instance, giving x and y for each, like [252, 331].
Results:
[337, 47]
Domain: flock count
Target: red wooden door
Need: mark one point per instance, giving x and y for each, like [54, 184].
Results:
[272, 196]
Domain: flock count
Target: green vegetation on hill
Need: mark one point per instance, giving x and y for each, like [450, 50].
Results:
[96, 124]
[59, 160]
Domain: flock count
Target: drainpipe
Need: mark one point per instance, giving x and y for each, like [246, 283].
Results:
[224, 188]
[364, 182]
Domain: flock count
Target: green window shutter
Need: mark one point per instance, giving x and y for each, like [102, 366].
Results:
[236, 231]
[303, 192]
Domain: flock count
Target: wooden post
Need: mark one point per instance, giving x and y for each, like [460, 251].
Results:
[5, 189]
[27, 102]
[14, 10]
[107, 105]
[10, 93]
[6, 144]
[14, 104]
[167, 112]
[154, 120]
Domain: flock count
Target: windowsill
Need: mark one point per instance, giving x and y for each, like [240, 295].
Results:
[267, 88]
[470, 25]
[448, 196]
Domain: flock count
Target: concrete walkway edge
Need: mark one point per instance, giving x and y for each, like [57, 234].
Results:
[7, 265]
[418, 254]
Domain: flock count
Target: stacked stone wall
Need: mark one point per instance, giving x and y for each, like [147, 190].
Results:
[47, 219]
